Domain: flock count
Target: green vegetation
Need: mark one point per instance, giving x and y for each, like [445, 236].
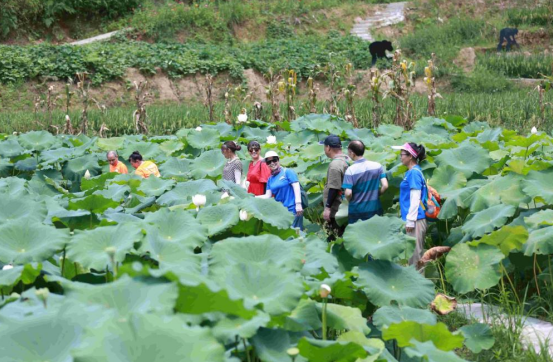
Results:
[539, 16]
[170, 262]
[517, 65]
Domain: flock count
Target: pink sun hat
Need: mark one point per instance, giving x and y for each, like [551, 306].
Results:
[406, 147]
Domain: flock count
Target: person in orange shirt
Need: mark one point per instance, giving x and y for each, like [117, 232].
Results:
[114, 164]
[143, 168]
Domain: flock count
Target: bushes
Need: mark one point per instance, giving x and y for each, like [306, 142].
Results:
[482, 81]
[17, 14]
[517, 65]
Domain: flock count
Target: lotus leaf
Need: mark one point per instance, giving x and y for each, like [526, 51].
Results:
[148, 150]
[380, 236]
[269, 211]
[218, 219]
[278, 290]
[16, 208]
[207, 138]
[426, 351]
[111, 144]
[90, 247]
[467, 158]
[408, 331]
[468, 268]
[171, 146]
[156, 186]
[227, 329]
[271, 345]
[539, 242]
[177, 226]
[209, 163]
[182, 193]
[388, 315]
[538, 184]
[10, 277]
[149, 338]
[487, 220]
[390, 130]
[10, 148]
[478, 336]
[22, 242]
[540, 218]
[447, 179]
[30, 305]
[75, 169]
[315, 350]
[384, 282]
[374, 346]
[93, 203]
[37, 140]
[508, 238]
[178, 168]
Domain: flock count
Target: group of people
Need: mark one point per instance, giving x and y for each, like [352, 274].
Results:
[349, 176]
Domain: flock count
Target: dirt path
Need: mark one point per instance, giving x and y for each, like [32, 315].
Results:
[393, 14]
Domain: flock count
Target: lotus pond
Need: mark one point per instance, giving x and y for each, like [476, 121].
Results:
[118, 268]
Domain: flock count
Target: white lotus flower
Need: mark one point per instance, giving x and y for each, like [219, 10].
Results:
[198, 200]
[242, 118]
[87, 175]
[7, 267]
[224, 195]
[271, 140]
[245, 216]
[42, 293]
[534, 130]
[199, 129]
[324, 291]
[67, 118]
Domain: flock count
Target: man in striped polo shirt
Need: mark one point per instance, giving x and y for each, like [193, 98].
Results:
[364, 182]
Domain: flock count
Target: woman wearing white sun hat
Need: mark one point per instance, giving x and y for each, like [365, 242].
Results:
[411, 191]
[284, 186]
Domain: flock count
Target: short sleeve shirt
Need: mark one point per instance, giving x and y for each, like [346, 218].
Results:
[119, 168]
[334, 179]
[230, 167]
[363, 179]
[146, 169]
[281, 188]
[413, 180]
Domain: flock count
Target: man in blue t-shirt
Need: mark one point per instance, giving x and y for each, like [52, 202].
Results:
[364, 182]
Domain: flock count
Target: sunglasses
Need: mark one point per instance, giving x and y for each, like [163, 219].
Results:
[254, 150]
[405, 154]
[268, 161]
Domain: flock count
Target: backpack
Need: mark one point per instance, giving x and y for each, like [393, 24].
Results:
[303, 194]
[432, 205]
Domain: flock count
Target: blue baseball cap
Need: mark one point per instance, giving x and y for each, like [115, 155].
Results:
[332, 141]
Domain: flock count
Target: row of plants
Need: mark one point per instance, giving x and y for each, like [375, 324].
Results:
[517, 65]
[538, 16]
[107, 267]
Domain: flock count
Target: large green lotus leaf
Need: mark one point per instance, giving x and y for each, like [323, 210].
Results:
[61, 154]
[271, 345]
[317, 172]
[312, 152]
[178, 168]
[315, 350]
[298, 139]
[209, 163]
[174, 257]
[467, 158]
[26, 165]
[268, 210]
[383, 158]
[502, 189]
[388, 315]
[37, 140]
[446, 179]
[15, 208]
[171, 146]
[29, 304]
[183, 192]
[278, 290]
[234, 189]
[6, 167]
[455, 200]
[539, 242]
[136, 203]
[203, 298]
[116, 192]
[374, 346]
[22, 241]
[126, 296]
[390, 130]
[10, 277]
[380, 236]
[156, 186]
[45, 337]
[258, 250]
[316, 257]
[508, 238]
[75, 169]
[227, 329]
[487, 220]
[468, 268]
[148, 338]
[538, 184]
[218, 218]
[10, 148]
[407, 331]
[384, 282]
[13, 186]
[207, 138]
[256, 134]
[426, 351]
[478, 336]
[110, 144]
[540, 218]
[90, 247]
[93, 203]
[148, 150]
[177, 226]
[98, 182]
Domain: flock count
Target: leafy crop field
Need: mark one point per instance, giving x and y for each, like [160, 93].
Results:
[117, 268]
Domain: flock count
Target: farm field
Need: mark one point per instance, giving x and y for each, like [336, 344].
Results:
[132, 266]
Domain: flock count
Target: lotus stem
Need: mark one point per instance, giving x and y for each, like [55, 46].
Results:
[325, 301]
[535, 275]
[63, 262]
[246, 350]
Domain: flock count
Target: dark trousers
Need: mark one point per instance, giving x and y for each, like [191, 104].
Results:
[333, 230]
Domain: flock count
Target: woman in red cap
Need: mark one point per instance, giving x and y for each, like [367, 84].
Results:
[411, 191]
